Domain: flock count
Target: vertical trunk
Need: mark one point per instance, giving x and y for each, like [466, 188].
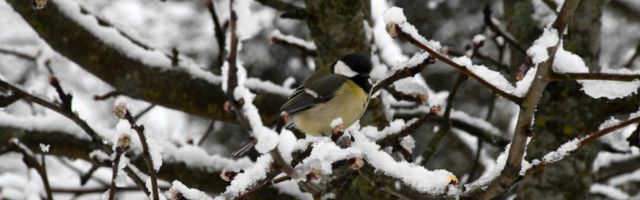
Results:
[337, 28]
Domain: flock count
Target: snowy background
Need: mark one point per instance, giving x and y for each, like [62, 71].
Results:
[205, 144]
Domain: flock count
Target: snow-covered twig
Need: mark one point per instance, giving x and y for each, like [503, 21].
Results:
[574, 145]
[262, 186]
[510, 173]
[403, 73]
[394, 140]
[396, 30]
[145, 152]
[31, 162]
[307, 48]
[67, 113]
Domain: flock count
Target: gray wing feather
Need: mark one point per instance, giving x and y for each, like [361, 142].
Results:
[324, 87]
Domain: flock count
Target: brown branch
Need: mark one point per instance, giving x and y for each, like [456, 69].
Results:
[96, 140]
[207, 132]
[107, 95]
[290, 11]
[18, 54]
[593, 76]
[217, 29]
[114, 172]
[400, 74]
[65, 112]
[109, 64]
[583, 142]
[80, 191]
[394, 139]
[64, 97]
[262, 186]
[145, 153]
[32, 162]
[141, 113]
[419, 99]
[461, 68]
[510, 173]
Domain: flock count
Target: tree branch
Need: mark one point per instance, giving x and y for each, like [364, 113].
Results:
[461, 68]
[511, 171]
[145, 153]
[129, 75]
[404, 73]
[32, 162]
[217, 29]
[582, 142]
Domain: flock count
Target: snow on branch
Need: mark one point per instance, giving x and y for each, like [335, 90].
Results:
[397, 25]
[570, 147]
[307, 47]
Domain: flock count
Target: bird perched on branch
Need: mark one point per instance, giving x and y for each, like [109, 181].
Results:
[341, 90]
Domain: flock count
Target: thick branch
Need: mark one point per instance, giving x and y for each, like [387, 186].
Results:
[129, 75]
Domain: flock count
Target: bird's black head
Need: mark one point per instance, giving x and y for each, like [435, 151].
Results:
[356, 67]
[352, 65]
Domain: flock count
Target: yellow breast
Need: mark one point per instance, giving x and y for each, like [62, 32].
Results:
[349, 102]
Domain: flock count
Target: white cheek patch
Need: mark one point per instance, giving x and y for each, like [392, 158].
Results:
[311, 92]
[343, 69]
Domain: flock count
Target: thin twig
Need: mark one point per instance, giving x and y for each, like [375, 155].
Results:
[107, 95]
[145, 153]
[32, 162]
[114, 172]
[393, 139]
[400, 74]
[583, 142]
[487, 20]
[18, 54]
[217, 29]
[510, 174]
[635, 55]
[81, 191]
[445, 124]
[461, 68]
[262, 186]
[593, 76]
[37, 100]
[141, 113]
[207, 132]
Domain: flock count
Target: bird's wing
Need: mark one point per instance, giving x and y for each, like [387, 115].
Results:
[317, 91]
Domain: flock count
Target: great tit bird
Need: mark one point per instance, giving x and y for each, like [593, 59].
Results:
[341, 90]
